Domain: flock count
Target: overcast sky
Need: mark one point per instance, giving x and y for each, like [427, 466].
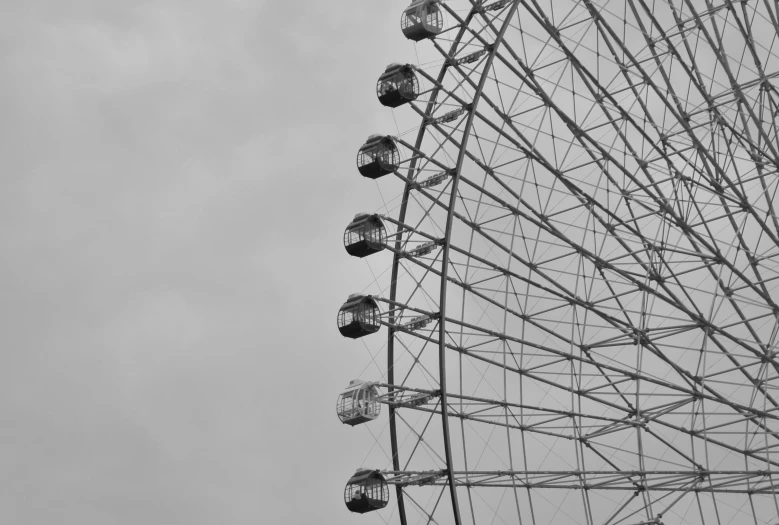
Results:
[176, 177]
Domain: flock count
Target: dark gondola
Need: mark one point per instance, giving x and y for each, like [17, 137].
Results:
[378, 157]
[366, 491]
[358, 403]
[422, 19]
[359, 316]
[365, 235]
[398, 85]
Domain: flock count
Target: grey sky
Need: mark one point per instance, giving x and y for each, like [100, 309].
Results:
[176, 177]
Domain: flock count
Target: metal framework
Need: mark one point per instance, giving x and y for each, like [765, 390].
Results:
[582, 312]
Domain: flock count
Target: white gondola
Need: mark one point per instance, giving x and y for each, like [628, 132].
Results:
[358, 403]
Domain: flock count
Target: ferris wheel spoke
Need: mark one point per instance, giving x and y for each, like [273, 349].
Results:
[570, 294]
[719, 119]
[601, 367]
[734, 482]
[659, 421]
[715, 42]
[724, 203]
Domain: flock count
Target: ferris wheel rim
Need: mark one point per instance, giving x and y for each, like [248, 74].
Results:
[393, 291]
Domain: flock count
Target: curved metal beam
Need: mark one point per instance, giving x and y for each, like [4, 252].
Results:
[394, 278]
[450, 472]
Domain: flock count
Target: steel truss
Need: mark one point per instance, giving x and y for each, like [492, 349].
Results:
[586, 263]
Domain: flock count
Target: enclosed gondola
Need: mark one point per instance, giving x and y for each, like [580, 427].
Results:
[366, 491]
[359, 403]
[359, 316]
[398, 85]
[365, 235]
[422, 19]
[378, 157]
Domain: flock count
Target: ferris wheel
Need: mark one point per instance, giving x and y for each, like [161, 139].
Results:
[577, 307]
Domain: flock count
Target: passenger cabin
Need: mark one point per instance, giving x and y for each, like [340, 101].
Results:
[365, 235]
[397, 86]
[366, 491]
[422, 19]
[358, 403]
[378, 157]
[359, 316]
